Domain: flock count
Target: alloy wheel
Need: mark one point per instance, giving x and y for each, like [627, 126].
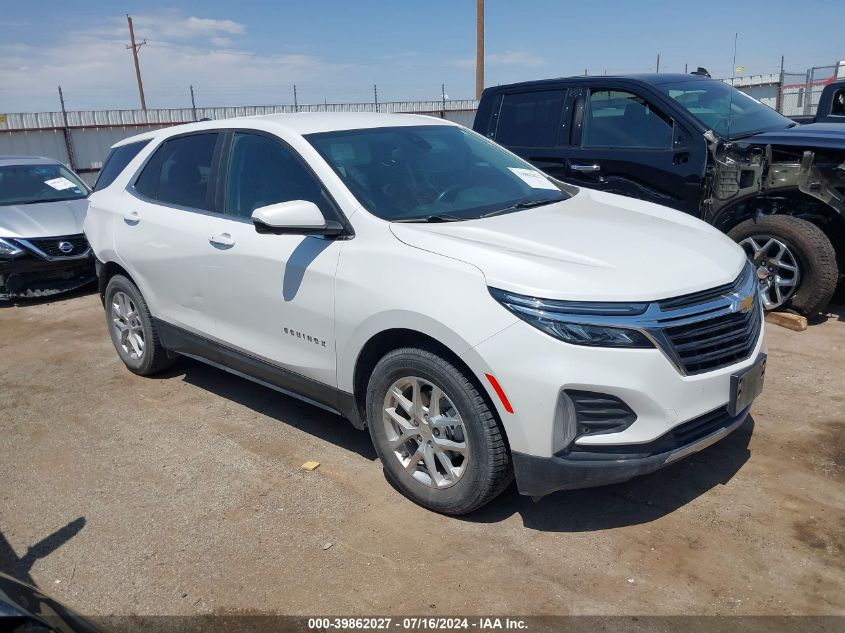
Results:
[776, 267]
[425, 432]
[127, 325]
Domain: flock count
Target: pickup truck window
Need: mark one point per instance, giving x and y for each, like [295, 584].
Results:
[838, 105]
[616, 118]
[440, 172]
[530, 119]
[724, 109]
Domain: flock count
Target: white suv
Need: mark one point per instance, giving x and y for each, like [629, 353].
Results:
[480, 319]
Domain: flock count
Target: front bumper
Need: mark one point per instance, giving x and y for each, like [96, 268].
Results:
[31, 276]
[664, 401]
[538, 476]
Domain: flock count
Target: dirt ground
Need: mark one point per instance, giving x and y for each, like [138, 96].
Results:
[183, 494]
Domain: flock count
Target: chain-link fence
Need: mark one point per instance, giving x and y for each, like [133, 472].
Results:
[800, 92]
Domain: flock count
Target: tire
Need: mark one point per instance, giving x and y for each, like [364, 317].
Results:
[122, 297]
[815, 256]
[484, 465]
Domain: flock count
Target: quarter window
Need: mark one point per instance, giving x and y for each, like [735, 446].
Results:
[530, 119]
[179, 171]
[263, 171]
[616, 118]
[116, 162]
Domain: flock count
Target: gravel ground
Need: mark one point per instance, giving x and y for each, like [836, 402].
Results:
[184, 494]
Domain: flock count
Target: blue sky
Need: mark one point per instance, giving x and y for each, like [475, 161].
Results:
[241, 52]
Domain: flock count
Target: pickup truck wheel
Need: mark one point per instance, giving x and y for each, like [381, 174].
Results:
[795, 261]
[439, 442]
[132, 328]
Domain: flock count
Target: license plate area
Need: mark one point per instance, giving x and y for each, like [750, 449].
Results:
[747, 385]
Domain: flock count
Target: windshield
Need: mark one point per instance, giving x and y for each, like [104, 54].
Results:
[29, 184]
[724, 109]
[432, 173]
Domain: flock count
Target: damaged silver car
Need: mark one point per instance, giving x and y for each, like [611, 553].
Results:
[42, 248]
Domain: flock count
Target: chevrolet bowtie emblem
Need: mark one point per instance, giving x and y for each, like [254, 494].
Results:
[746, 304]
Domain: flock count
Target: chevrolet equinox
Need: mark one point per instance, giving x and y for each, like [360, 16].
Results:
[483, 321]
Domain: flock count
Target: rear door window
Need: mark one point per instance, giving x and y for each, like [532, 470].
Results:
[530, 119]
[116, 162]
[179, 172]
[617, 118]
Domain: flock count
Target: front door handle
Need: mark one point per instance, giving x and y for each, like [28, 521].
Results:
[222, 240]
[131, 217]
[586, 169]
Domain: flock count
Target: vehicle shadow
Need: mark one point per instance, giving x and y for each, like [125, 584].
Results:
[285, 409]
[640, 500]
[23, 302]
[19, 567]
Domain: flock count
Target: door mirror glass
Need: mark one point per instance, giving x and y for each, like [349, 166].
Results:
[294, 216]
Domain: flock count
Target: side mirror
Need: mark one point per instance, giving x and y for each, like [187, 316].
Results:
[295, 217]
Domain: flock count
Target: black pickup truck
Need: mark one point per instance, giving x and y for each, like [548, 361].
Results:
[699, 146]
[831, 108]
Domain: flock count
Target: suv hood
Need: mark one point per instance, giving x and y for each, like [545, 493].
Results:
[824, 135]
[45, 219]
[595, 246]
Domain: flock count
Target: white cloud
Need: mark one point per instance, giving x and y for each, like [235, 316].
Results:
[508, 58]
[95, 70]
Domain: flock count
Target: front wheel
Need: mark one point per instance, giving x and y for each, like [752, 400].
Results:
[439, 442]
[794, 260]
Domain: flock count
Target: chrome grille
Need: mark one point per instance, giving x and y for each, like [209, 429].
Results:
[715, 342]
[711, 329]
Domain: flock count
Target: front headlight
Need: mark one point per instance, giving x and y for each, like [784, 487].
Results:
[571, 321]
[9, 249]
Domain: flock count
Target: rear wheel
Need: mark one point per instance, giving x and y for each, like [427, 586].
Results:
[439, 442]
[132, 328]
[795, 261]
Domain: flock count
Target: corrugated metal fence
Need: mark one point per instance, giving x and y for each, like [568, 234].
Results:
[82, 138]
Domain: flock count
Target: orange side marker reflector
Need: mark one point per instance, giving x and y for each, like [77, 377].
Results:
[500, 392]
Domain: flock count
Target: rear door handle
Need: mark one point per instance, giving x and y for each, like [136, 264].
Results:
[585, 169]
[223, 240]
[131, 217]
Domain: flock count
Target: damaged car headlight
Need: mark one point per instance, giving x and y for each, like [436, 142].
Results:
[569, 321]
[9, 249]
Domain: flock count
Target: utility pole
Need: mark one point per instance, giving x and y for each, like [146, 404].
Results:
[193, 104]
[135, 48]
[295, 100]
[779, 98]
[479, 48]
[657, 68]
[686, 68]
[375, 96]
[443, 101]
[66, 132]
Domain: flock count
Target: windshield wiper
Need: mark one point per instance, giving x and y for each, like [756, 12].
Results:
[437, 217]
[524, 204]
